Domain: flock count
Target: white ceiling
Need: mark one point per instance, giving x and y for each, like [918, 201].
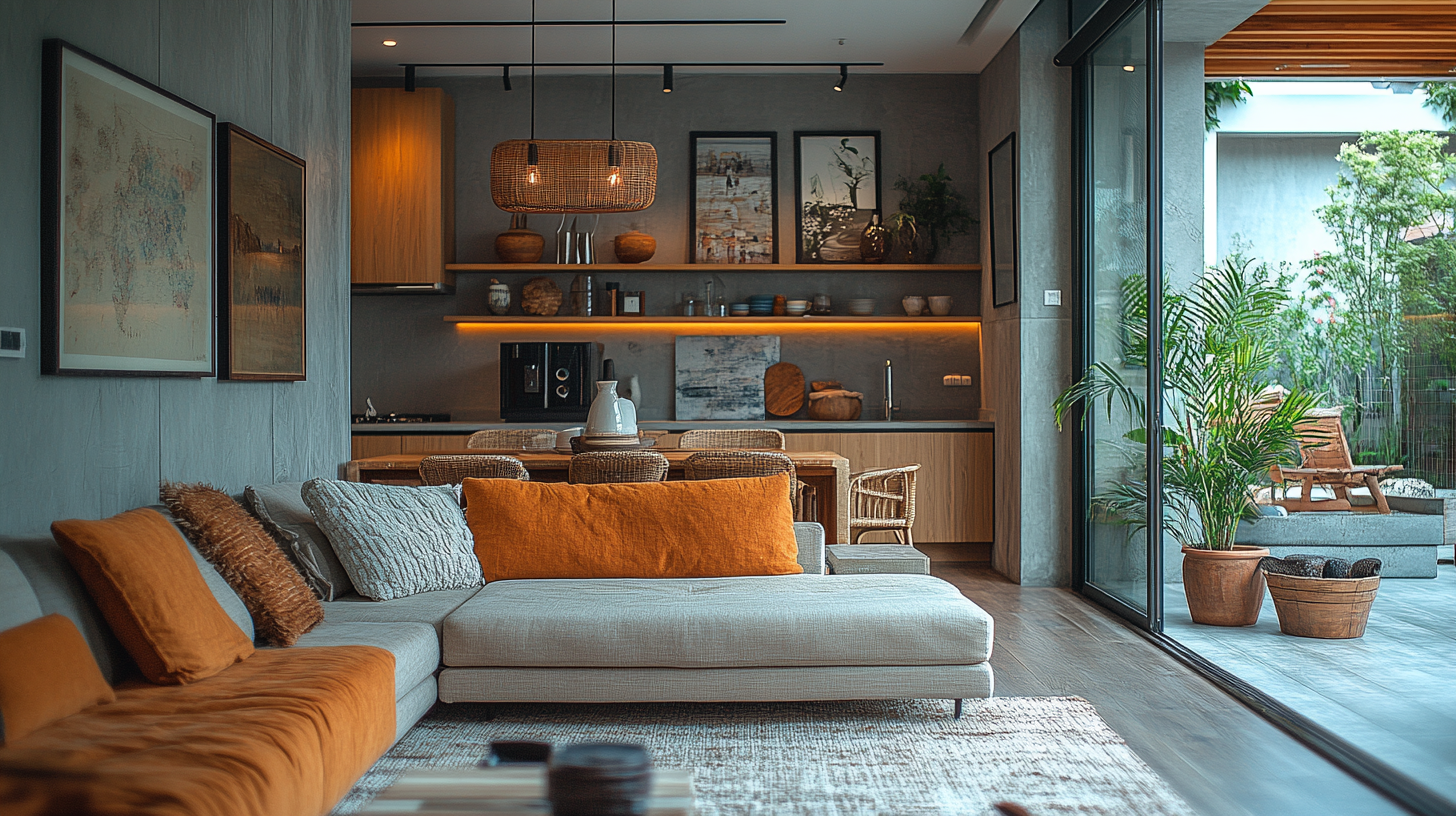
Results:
[909, 36]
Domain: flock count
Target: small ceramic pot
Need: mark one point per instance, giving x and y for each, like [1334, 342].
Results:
[499, 297]
[914, 305]
[519, 245]
[940, 305]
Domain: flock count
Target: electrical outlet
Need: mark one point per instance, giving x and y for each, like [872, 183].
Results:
[954, 380]
[12, 342]
[1052, 297]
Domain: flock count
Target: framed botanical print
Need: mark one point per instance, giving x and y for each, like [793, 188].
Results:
[836, 191]
[732, 218]
[126, 223]
[262, 266]
[1001, 178]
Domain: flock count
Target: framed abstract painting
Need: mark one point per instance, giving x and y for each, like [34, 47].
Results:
[733, 215]
[836, 191]
[262, 267]
[126, 223]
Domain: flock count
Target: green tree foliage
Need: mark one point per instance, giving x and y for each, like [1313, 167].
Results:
[1218, 94]
[1441, 98]
[938, 210]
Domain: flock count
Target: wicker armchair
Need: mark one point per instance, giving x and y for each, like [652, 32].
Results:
[511, 439]
[760, 438]
[456, 468]
[604, 467]
[883, 500]
[740, 464]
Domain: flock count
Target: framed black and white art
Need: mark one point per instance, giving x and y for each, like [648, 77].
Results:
[836, 191]
[1001, 177]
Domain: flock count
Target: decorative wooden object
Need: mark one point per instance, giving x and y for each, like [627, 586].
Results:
[1326, 460]
[511, 790]
[402, 191]
[634, 247]
[783, 389]
[519, 244]
[835, 405]
[825, 385]
[541, 296]
[1333, 608]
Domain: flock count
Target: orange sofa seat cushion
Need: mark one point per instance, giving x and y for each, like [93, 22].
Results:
[708, 529]
[285, 733]
[47, 672]
[138, 569]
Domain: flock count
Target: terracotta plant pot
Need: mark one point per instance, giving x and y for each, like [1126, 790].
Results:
[1224, 587]
[634, 247]
[518, 244]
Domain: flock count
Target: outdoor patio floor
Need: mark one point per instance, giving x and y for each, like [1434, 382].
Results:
[1391, 693]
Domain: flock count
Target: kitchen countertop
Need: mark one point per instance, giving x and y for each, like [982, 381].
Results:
[785, 425]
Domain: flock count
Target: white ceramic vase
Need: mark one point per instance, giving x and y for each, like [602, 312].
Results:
[610, 415]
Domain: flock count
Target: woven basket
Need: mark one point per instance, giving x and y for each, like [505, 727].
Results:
[572, 176]
[733, 438]
[446, 469]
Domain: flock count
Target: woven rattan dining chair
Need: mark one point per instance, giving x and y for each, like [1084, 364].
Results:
[449, 469]
[883, 500]
[762, 438]
[605, 467]
[503, 439]
[740, 464]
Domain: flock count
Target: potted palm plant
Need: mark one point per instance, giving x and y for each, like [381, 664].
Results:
[1221, 432]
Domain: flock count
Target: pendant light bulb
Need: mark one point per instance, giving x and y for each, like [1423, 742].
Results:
[614, 164]
[533, 174]
[843, 78]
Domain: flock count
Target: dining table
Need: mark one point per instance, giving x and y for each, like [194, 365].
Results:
[825, 471]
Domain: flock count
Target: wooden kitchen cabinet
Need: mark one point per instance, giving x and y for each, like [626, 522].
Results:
[954, 489]
[402, 194]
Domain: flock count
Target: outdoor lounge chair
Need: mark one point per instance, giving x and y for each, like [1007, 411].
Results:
[1325, 455]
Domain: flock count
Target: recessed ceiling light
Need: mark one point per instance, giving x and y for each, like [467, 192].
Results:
[390, 43]
[1281, 67]
[1129, 68]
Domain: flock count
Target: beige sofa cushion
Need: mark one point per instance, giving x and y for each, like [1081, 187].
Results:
[787, 620]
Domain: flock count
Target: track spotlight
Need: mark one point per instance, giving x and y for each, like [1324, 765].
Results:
[667, 79]
[843, 77]
[409, 78]
[506, 76]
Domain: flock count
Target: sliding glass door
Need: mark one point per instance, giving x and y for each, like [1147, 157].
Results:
[1117, 77]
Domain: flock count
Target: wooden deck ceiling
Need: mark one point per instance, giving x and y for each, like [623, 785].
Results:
[1340, 38]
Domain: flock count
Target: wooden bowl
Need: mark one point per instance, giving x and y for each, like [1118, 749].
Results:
[838, 409]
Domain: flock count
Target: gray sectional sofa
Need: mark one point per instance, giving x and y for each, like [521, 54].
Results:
[799, 637]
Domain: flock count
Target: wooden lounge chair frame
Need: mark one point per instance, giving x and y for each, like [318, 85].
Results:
[1325, 455]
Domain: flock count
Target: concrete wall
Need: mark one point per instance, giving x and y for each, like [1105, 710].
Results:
[408, 360]
[1268, 189]
[1030, 347]
[92, 446]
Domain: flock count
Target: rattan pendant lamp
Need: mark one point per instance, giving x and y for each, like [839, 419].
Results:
[573, 175]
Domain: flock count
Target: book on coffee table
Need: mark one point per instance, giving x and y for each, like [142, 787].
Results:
[511, 790]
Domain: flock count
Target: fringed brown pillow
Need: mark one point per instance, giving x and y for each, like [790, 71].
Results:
[282, 605]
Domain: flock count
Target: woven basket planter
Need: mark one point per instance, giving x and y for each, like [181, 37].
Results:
[1333, 608]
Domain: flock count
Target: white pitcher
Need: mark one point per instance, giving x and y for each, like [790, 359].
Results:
[610, 414]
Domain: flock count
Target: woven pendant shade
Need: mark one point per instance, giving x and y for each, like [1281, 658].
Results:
[572, 176]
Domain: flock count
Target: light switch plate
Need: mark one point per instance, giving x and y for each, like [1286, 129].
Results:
[1052, 297]
[12, 342]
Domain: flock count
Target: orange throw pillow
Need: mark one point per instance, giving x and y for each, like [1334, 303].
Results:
[281, 604]
[707, 529]
[47, 672]
[137, 567]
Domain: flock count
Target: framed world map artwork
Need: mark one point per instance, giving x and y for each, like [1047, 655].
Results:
[261, 270]
[126, 223]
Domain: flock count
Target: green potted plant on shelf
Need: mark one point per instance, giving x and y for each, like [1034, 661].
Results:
[935, 210]
[1222, 431]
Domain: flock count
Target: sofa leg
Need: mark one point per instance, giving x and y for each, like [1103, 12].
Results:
[959, 703]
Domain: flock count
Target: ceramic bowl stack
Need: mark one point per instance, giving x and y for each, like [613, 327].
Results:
[760, 305]
[796, 308]
[738, 309]
[608, 442]
[862, 307]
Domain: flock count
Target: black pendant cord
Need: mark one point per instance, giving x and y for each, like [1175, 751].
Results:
[533, 70]
[614, 70]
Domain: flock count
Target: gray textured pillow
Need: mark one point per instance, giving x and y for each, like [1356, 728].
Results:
[396, 541]
[281, 509]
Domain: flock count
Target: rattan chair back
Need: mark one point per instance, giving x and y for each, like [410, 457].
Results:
[606, 467]
[737, 438]
[742, 464]
[883, 500]
[455, 468]
[512, 439]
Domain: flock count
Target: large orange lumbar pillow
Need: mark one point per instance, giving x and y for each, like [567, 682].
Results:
[138, 568]
[704, 529]
[47, 672]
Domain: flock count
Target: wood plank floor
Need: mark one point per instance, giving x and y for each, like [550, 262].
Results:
[1220, 756]
[1389, 693]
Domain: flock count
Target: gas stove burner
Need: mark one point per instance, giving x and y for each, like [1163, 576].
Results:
[364, 419]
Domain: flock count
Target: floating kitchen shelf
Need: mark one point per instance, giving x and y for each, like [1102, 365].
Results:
[716, 268]
[566, 320]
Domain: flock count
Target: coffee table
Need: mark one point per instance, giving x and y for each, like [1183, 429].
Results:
[509, 790]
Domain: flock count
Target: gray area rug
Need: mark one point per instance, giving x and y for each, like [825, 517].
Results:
[1052, 755]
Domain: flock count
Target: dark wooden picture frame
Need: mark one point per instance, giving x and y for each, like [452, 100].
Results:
[813, 230]
[262, 263]
[127, 220]
[1003, 195]
[710, 179]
